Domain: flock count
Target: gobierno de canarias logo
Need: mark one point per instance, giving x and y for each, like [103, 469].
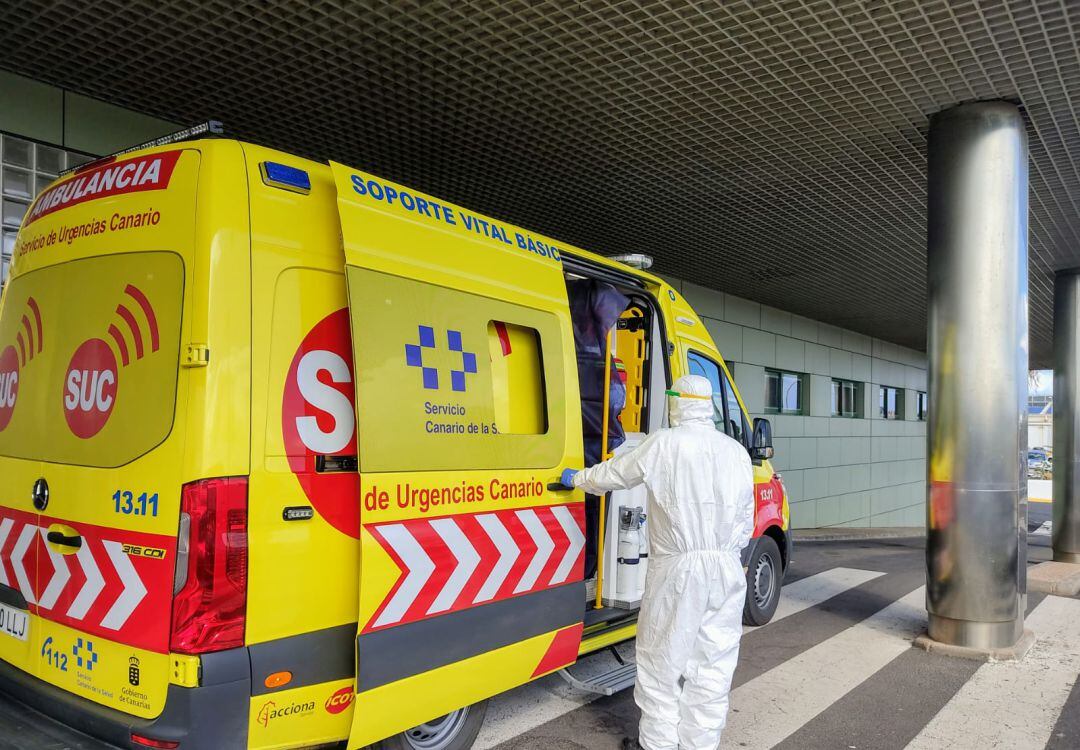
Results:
[92, 381]
[15, 356]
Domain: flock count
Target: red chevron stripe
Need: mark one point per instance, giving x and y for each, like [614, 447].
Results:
[444, 560]
[562, 544]
[489, 555]
[402, 571]
[528, 550]
[431, 542]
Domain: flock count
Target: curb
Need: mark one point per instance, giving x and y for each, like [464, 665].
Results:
[856, 535]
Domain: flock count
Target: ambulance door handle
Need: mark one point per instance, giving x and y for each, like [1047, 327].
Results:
[58, 537]
[559, 487]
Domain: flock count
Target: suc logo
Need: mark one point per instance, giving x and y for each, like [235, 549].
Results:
[90, 388]
[93, 375]
[9, 384]
[29, 340]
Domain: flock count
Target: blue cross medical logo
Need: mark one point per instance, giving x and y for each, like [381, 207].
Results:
[414, 357]
[85, 656]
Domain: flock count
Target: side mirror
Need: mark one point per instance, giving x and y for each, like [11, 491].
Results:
[761, 448]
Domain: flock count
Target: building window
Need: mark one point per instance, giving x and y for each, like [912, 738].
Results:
[783, 392]
[845, 398]
[920, 406]
[25, 169]
[891, 403]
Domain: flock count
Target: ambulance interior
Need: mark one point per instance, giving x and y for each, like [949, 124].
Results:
[622, 377]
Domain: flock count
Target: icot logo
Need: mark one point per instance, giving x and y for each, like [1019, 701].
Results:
[318, 422]
[92, 382]
[29, 341]
[340, 700]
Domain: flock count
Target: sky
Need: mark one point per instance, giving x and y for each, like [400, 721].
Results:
[1046, 383]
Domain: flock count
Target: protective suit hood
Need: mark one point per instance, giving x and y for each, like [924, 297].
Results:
[690, 401]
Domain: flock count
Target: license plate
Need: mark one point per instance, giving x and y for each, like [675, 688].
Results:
[14, 622]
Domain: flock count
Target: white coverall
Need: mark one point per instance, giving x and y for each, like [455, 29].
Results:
[700, 486]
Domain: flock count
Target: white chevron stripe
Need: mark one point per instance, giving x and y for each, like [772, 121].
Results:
[544, 700]
[17, 555]
[134, 590]
[545, 545]
[1015, 704]
[821, 675]
[419, 566]
[91, 587]
[5, 529]
[61, 574]
[508, 555]
[468, 559]
[577, 541]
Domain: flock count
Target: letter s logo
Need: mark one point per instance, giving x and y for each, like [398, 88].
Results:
[318, 418]
[328, 399]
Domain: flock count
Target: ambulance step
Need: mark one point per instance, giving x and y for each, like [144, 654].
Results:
[606, 683]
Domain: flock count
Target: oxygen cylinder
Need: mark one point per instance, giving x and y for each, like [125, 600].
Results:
[628, 580]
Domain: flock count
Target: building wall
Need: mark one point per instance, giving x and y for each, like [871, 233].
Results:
[839, 471]
[45, 130]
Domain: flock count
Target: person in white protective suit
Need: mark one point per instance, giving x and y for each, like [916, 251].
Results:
[701, 516]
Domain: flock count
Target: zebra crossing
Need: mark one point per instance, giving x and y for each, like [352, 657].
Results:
[835, 669]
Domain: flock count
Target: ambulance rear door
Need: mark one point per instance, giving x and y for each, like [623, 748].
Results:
[467, 410]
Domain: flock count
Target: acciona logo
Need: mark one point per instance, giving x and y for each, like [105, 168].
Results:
[151, 172]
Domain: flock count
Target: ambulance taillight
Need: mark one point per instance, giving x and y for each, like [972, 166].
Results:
[210, 600]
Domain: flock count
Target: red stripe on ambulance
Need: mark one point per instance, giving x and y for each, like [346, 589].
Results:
[456, 562]
[116, 584]
[151, 172]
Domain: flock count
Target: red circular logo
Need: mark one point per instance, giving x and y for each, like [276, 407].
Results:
[340, 700]
[90, 388]
[9, 384]
[318, 422]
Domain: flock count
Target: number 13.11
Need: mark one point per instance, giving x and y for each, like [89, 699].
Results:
[144, 505]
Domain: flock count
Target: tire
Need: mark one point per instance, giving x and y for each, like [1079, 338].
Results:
[764, 577]
[456, 730]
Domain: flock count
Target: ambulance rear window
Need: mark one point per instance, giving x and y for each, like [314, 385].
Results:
[89, 352]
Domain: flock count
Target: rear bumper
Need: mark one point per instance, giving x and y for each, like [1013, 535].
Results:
[211, 716]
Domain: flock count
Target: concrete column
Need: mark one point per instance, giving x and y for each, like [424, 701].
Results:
[977, 343]
[1066, 526]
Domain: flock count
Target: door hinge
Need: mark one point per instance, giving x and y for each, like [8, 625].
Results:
[198, 355]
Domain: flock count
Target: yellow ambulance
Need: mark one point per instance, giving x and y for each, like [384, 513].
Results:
[279, 449]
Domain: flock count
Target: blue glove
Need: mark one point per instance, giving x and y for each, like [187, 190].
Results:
[567, 478]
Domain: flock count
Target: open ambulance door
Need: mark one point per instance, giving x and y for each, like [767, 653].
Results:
[467, 409]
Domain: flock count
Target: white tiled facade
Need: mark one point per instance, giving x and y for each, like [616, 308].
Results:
[839, 471]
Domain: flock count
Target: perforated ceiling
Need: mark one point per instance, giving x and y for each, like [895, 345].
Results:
[772, 150]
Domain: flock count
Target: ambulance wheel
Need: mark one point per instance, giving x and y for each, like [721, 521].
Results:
[456, 730]
[763, 577]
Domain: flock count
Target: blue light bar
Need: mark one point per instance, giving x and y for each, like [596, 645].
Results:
[285, 177]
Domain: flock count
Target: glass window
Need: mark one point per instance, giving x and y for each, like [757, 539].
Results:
[706, 368]
[18, 183]
[517, 379]
[18, 152]
[727, 412]
[845, 398]
[13, 212]
[920, 406]
[783, 392]
[890, 403]
[49, 160]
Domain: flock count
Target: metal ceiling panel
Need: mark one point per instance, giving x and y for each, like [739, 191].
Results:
[776, 150]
